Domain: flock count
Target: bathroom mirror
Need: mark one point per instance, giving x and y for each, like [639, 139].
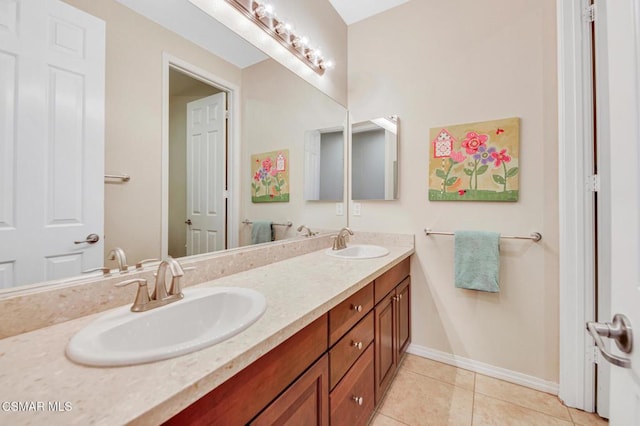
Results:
[324, 164]
[274, 109]
[374, 159]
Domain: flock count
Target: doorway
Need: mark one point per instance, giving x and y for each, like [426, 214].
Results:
[190, 172]
[197, 159]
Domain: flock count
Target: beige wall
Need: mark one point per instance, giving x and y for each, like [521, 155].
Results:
[437, 63]
[133, 121]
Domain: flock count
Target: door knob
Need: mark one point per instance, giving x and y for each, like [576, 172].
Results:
[620, 331]
[91, 239]
[188, 222]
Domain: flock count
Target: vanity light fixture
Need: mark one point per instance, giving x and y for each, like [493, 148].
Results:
[263, 15]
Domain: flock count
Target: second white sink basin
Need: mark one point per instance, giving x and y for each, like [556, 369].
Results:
[204, 317]
[359, 251]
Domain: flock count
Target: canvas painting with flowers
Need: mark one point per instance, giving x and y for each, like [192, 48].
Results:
[270, 177]
[475, 161]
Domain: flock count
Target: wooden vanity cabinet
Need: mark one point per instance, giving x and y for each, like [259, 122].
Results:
[238, 400]
[392, 319]
[334, 371]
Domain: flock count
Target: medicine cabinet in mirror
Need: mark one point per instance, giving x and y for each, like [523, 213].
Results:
[374, 159]
[324, 164]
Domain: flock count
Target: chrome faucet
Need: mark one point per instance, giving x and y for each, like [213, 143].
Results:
[159, 297]
[118, 255]
[309, 233]
[340, 240]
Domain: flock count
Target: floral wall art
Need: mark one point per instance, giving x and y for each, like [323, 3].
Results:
[270, 177]
[475, 162]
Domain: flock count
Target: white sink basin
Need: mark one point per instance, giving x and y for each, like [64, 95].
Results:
[204, 317]
[359, 251]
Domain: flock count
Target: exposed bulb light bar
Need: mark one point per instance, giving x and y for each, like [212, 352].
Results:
[263, 15]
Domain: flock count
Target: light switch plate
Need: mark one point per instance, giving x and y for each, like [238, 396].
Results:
[339, 209]
[356, 209]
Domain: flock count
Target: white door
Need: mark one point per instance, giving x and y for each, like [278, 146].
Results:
[206, 153]
[52, 60]
[620, 96]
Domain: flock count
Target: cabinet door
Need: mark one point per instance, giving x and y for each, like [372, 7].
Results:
[403, 315]
[385, 344]
[305, 402]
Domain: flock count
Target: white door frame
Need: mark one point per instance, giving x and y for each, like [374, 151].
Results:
[577, 277]
[233, 151]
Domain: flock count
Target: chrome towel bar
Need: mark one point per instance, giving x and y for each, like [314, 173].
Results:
[123, 177]
[535, 236]
[288, 224]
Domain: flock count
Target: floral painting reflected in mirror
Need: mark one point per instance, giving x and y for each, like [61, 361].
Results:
[270, 181]
[475, 161]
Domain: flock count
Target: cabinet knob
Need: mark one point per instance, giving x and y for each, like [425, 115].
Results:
[400, 296]
[358, 400]
[357, 308]
[394, 298]
[357, 345]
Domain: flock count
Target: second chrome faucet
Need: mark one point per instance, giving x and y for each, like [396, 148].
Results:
[160, 296]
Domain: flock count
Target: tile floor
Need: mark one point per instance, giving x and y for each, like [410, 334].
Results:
[426, 392]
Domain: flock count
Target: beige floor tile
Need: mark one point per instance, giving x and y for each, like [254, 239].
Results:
[439, 371]
[525, 397]
[418, 400]
[491, 411]
[586, 419]
[382, 420]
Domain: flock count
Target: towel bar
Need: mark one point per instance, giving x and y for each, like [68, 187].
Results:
[122, 177]
[288, 224]
[536, 236]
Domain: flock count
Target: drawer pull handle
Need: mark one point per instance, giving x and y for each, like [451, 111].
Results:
[357, 345]
[358, 400]
[357, 308]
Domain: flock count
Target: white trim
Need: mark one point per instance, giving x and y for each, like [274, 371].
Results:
[485, 369]
[233, 153]
[577, 375]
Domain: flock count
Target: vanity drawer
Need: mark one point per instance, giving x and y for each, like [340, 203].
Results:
[352, 401]
[390, 279]
[349, 348]
[348, 313]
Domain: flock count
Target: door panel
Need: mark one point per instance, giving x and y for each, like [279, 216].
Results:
[622, 95]
[206, 151]
[52, 140]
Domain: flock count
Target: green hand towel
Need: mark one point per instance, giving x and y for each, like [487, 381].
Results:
[261, 232]
[477, 260]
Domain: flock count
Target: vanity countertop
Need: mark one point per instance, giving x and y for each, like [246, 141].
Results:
[40, 385]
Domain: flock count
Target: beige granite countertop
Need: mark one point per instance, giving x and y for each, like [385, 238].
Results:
[35, 372]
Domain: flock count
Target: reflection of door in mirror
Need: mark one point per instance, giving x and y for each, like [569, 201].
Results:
[51, 142]
[324, 165]
[197, 157]
[374, 164]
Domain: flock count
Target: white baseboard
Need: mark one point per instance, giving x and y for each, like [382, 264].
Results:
[485, 369]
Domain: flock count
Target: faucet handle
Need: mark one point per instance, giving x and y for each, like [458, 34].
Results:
[106, 272]
[142, 296]
[139, 265]
[176, 286]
